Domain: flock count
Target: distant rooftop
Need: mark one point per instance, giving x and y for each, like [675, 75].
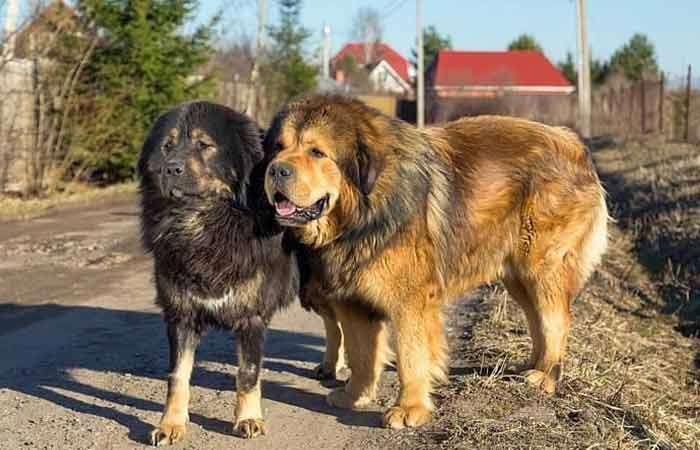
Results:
[381, 51]
[524, 68]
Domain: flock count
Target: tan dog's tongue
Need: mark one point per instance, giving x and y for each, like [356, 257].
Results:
[285, 208]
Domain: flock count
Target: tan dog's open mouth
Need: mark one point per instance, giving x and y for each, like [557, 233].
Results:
[288, 213]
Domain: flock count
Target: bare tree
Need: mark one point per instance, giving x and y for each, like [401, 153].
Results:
[235, 58]
[367, 28]
[233, 64]
[43, 60]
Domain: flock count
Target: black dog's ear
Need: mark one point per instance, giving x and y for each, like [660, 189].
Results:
[370, 166]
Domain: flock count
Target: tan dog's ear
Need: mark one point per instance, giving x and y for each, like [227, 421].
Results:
[370, 165]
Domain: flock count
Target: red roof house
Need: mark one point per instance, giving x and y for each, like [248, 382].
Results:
[487, 74]
[387, 69]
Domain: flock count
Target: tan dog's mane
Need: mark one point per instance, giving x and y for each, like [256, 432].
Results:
[414, 181]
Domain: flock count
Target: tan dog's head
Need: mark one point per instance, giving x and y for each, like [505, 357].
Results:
[323, 163]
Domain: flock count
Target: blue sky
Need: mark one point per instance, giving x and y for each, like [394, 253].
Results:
[673, 25]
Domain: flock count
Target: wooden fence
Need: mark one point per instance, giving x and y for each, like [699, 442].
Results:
[647, 107]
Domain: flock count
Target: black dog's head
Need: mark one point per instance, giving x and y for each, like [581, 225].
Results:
[200, 150]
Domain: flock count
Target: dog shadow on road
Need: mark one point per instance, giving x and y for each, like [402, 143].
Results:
[60, 341]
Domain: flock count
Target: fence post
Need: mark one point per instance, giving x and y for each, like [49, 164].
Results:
[687, 107]
[643, 101]
[630, 113]
[661, 103]
[611, 101]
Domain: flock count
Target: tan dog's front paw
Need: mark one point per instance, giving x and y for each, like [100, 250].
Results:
[340, 398]
[545, 381]
[249, 428]
[167, 434]
[398, 417]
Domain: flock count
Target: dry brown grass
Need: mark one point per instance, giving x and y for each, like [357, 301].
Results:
[632, 380]
[16, 208]
[655, 192]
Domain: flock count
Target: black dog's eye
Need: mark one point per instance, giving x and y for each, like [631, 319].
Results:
[167, 146]
[317, 153]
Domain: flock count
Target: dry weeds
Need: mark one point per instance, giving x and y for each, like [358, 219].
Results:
[655, 189]
[75, 194]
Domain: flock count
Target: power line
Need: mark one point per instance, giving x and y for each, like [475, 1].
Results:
[390, 12]
[390, 5]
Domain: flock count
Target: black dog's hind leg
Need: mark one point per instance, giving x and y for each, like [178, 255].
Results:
[183, 341]
[250, 338]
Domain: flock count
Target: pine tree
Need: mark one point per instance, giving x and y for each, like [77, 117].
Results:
[636, 59]
[433, 42]
[286, 73]
[568, 68]
[525, 42]
[599, 70]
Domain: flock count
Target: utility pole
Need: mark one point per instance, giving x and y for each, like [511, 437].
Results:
[420, 91]
[584, 72]
[686, 134]
[10, 30]
[326, 55]
[253, 92]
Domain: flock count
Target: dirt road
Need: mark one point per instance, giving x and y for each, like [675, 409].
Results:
[84, 351]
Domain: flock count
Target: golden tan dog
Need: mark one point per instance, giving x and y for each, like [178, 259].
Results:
[396, 221]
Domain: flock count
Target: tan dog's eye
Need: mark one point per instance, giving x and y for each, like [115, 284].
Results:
[279, 147]
[317, 153]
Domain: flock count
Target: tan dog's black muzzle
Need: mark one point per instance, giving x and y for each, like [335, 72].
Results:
[280, 171]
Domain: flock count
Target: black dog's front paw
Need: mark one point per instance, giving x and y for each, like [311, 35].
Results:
[324, 372]
[249, 428]
[167, 434]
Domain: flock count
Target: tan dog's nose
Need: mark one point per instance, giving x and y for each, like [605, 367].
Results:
[280, 170]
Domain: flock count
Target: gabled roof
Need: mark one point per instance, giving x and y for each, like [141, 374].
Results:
[383, 65]
[381, 52]
[508, 68]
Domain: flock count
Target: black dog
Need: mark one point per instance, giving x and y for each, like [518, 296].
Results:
[218, 254]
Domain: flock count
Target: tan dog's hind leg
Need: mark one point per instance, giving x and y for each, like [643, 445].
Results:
[553, 320]
[546, 306]
[366, 346]
[545, 281]
[421, 358]
[334, 357]
[517, 291]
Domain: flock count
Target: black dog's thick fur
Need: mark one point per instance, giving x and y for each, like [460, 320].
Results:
[219, 257]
